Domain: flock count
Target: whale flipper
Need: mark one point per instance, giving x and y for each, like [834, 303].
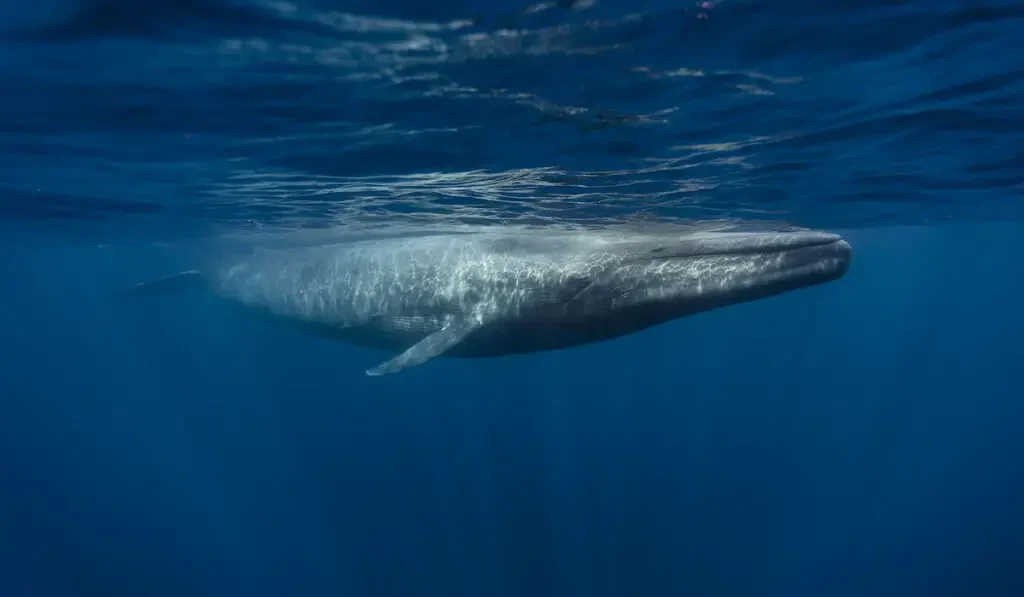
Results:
[186, 280]
[432, 346]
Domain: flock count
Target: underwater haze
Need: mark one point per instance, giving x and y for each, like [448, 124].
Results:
[860, 437]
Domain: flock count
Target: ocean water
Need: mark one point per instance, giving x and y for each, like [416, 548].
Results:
[856, 438]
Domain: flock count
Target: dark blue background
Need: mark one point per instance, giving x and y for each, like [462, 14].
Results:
[859, 438]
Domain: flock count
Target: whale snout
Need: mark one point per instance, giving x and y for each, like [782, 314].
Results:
[799, 258]
[803, 264]
[836, 258]
[844, 252]
[832, 258]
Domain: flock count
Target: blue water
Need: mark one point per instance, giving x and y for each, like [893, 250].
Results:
[857, 438]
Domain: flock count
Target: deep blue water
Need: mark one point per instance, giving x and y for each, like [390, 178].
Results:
[857, 438]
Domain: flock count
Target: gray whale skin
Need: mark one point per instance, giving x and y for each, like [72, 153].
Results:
[490, 294]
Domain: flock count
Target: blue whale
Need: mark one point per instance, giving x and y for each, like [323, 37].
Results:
[495, 293]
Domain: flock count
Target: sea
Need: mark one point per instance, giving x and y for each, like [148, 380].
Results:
[856, 438]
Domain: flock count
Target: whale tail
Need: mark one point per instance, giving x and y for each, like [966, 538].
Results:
[179, 282]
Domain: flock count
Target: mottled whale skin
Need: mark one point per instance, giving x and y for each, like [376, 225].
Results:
[490, 294]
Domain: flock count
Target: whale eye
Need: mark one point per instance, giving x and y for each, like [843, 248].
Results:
[657, 249]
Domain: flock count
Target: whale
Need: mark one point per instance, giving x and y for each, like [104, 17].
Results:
[496, 293]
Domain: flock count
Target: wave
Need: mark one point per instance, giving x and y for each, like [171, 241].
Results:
[262, 115]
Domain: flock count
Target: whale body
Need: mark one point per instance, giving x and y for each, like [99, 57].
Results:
[490, 294]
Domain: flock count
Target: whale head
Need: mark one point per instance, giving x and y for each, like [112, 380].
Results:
[664, 279]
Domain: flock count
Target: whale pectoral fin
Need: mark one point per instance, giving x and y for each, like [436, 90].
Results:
[432, 346]
[187, 280]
